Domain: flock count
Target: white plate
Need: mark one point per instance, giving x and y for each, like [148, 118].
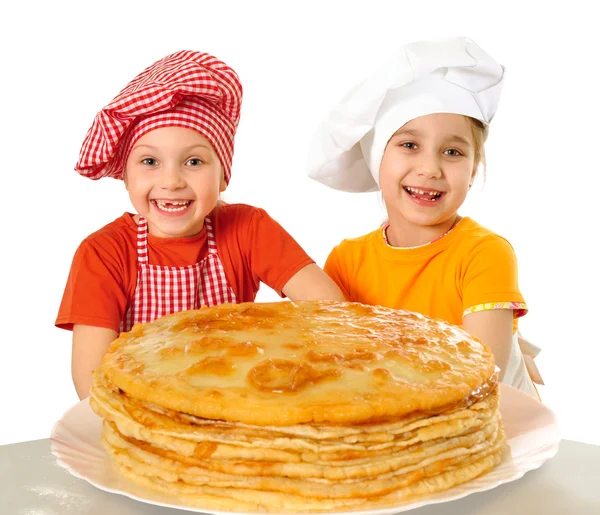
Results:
[531, 430]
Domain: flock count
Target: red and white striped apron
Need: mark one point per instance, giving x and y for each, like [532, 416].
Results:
[162, 290]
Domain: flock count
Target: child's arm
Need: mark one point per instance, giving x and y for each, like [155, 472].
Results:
[494, 328]
[95, 299]
[337, 268]
[276, 259]
[491, 296]
[311, 283]
[89, 345]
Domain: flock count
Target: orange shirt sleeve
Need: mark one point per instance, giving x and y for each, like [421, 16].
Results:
[491, 274]
[274, 255]
[95, 293]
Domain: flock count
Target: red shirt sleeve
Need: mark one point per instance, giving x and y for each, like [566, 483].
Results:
[276, 256]
[96, 293]
[255, 248]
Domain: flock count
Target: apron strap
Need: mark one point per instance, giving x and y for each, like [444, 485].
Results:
[142, 241]
[212, 243]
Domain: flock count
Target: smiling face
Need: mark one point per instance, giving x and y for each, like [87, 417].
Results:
[426, 171]
[173, 177]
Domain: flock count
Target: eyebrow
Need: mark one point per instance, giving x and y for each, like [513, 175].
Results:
[191, 147]
[459, 139]
[416, 133]
[407, 132]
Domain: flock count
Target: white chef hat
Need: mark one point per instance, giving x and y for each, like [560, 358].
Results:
[441, 76]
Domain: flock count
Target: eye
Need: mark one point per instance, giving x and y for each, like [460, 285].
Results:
[453, 152]
[149, 161]
[409, 144]
[194, 161]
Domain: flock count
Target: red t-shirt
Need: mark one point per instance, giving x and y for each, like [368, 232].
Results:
[252, 247]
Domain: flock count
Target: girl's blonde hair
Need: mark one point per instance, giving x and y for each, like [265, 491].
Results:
[479, 131]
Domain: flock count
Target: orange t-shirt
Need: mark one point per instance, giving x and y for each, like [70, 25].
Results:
[467, 270]
[252, 247]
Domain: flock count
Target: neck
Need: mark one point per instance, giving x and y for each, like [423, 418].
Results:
[402, 233]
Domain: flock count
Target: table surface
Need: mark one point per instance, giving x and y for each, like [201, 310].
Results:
[33, 484]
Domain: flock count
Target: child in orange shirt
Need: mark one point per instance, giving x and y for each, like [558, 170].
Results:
[170, 135]
[416, 130]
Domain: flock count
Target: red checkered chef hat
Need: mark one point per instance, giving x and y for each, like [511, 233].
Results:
[185, 89]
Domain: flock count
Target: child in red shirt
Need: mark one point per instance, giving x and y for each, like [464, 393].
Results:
[170, 136]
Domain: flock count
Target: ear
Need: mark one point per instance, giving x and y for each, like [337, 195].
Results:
[222, 184]
[473, 175]
[125, 179]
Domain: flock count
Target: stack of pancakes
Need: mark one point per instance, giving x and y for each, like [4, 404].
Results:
[298, 407]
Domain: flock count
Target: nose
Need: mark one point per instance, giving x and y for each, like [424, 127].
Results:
[171, 177]
[429, 166]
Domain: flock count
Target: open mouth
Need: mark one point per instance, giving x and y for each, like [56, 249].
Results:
[427, 195]
[171, 206]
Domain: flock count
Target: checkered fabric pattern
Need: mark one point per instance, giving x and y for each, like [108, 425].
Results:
[185, 89]
[162, 290]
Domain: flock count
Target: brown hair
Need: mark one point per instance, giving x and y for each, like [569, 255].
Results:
[479, 131]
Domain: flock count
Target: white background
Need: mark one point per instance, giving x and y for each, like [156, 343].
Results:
[60, 64]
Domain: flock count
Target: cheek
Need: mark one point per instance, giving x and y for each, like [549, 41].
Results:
[136, 185]
[393, 161]
[207, 185]
[459, 182]
[390, 172]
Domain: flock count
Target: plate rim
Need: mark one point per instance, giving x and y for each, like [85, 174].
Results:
[543, 454]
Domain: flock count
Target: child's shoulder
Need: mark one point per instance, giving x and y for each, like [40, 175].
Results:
[361, 240]
[238, 217]
[120, 232]
[473, 234]
[357, 244]
[238, 210]
[242, 222]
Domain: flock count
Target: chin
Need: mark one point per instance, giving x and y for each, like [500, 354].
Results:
[426, 221]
